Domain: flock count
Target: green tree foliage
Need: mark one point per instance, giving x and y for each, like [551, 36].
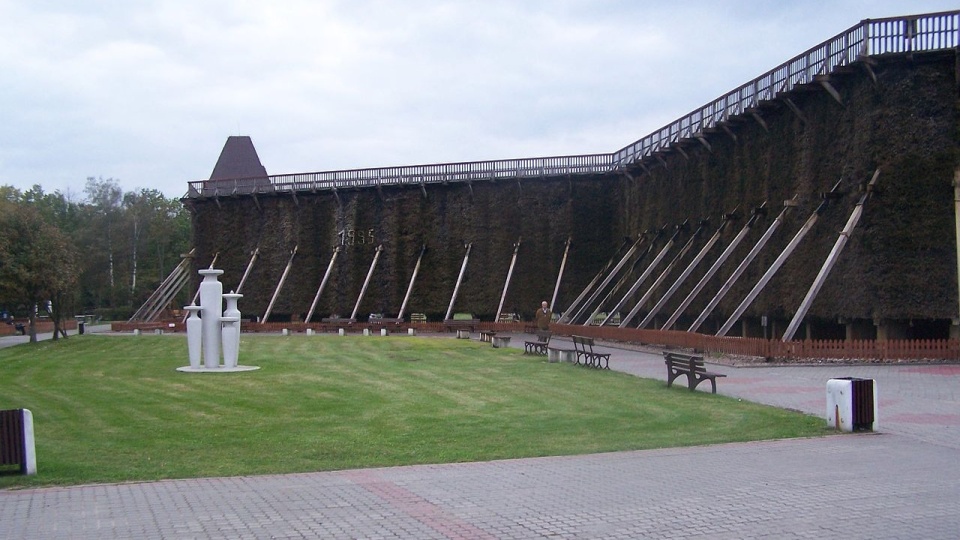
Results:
[37, 262]
[129, 243]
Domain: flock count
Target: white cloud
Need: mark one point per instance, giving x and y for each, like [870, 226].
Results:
[147, 92]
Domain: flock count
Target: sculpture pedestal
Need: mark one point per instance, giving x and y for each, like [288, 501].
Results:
[236, 369]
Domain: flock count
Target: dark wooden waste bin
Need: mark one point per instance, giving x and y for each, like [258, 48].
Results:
[16, 440]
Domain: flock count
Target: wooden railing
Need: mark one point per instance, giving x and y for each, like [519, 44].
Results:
[442, 173]
[913, 33]
[896, 35]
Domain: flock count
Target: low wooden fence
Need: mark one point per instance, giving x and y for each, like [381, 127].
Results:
[932, 349]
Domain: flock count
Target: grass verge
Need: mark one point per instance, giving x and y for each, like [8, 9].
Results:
[114, 408]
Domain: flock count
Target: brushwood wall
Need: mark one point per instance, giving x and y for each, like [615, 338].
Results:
[900, 116]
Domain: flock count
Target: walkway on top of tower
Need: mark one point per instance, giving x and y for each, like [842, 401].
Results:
[859, 45]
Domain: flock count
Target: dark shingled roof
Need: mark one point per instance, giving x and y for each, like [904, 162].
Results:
[238, 170]
[238, 159]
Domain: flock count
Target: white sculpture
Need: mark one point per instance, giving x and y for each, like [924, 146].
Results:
[211, 305]
[231, 329]
[194, 335]
[213, 331]
[230, 334]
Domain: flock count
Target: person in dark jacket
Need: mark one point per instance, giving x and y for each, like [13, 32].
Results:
[543, 317]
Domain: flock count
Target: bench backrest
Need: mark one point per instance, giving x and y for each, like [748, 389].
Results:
[691, 362]
[582, 343]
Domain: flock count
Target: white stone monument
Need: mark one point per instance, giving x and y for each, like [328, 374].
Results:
[211, 305]
[194, 334]
[215, 329]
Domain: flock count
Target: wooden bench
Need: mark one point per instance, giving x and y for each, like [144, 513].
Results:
[461, 321]
[337, 320]
[690, 365]
[508, 318]
[539, 346]
[378, 318]
[584, 349]
[486, 336]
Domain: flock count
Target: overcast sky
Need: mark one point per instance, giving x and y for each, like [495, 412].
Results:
[147, 91]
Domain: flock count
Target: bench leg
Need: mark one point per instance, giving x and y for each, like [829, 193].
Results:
[671, 376]
[695, 381]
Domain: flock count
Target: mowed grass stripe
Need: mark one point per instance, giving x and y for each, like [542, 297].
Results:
[114, 408]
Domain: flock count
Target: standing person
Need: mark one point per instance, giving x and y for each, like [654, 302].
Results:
[543, 317]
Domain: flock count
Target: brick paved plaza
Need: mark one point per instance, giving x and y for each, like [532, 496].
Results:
[901, 482]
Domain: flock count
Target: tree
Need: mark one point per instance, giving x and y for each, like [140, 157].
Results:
[103, 211]
[37, 263]
[129, 241]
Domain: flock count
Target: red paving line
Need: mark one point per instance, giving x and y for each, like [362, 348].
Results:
[416, 506]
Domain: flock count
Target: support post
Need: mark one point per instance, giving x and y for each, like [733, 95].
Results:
[246, 273]
[712, 270]
[663, 275]
[276, 292]
[615, 289]
[725, 288]
[323, 284]
[366, 282]
[180, 282]
[608, 279]
[956, 209]
[567, 314]
[685, 274]
[456, 288]
[563, 264]
[506, 284]
[639, 281]
[173, 282]
[775, 267]
[413, 278]
[830, 261]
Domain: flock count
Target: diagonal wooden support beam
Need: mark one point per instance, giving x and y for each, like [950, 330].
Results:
[830, 261]
[729, 132]
[756, 116]
[825, 83]
[793, 107]
[703, 140]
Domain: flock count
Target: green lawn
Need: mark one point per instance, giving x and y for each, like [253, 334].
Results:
[114, 408]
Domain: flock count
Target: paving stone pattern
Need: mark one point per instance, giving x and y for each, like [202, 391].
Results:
[901, 482]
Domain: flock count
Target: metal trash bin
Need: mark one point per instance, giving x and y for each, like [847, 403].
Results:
[852, 404]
